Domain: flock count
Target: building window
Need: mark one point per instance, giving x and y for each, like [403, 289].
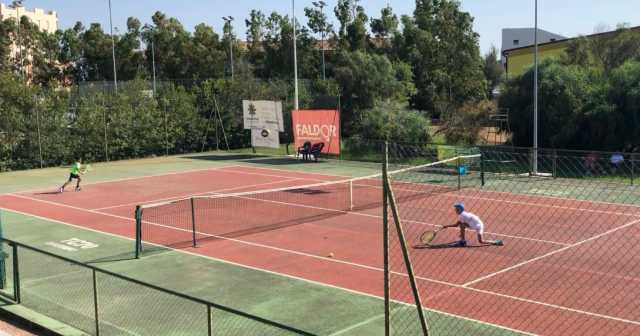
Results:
[516, 42]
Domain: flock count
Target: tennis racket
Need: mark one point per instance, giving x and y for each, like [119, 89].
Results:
[87, 168]
[428, 236]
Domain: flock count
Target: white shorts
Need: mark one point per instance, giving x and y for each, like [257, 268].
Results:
[478, 228]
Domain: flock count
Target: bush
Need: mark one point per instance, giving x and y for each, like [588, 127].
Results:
[394, 122]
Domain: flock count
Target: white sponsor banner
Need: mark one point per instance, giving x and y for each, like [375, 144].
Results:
[265, 138]
[262, 114]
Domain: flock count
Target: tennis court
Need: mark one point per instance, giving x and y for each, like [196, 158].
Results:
[329, 265]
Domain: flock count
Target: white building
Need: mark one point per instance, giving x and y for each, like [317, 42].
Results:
[45, 20]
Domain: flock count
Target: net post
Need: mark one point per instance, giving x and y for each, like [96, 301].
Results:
[193, 220]
[385, 239]
[482, 182]
[350, 195]
[138, 247]
[407, 260]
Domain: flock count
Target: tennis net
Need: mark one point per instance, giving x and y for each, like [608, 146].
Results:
[185, 222]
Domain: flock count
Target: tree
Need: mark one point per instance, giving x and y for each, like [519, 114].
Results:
[606, 51]
[393, 121]
[357, 34]
[366, 78]
[440, 44]
[570, 97]
[255, 38]
[172, 46]
[385, 27]
[344, 13]
[70, 54]
[130, 60]
[97, 53]
[493, 70]
[463, 125]
[207, 58]
[6, 30]
[625, 96]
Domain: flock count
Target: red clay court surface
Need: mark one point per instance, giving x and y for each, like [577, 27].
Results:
[551, 279]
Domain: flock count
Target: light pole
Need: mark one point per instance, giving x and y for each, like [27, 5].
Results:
[113, 50]
[228, 20]
[151, 31]
[16, 5]
[535, 94]
[295, 56]
[321, 5]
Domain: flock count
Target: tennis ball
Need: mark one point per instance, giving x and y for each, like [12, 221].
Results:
[330, 255]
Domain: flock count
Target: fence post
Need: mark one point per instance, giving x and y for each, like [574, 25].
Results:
[459, 173]
[95, 301]
[633, 166]
[531, 158]
[385, 238]
[106, 139]
[482, 169]
[39, 134]
[555, 163]
[193, 221]
[16, 273]
[3, 258]
[138, 242]
[209, 325]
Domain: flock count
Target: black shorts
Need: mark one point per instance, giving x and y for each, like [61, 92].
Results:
[73, 176]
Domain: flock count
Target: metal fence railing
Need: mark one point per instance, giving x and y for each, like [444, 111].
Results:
[100, 302]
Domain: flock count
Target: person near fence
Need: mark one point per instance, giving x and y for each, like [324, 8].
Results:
[76, 171]
[617, 159]
[468, 220]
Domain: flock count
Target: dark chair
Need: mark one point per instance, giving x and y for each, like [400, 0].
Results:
[316, 150]
[305, 150]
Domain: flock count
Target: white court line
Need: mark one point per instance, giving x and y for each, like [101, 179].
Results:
[283, 275]
[551, 253]
[127, 179]
[447, 194]
[358, 325]
[567, 199]
[551, 305]
[463, 286]
[196, 194]
[283, 203]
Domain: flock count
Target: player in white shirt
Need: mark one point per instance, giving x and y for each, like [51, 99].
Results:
[468, 220]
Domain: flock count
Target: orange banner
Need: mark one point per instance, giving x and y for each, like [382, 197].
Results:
[317, 126]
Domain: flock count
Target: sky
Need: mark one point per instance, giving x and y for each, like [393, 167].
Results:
[565, 17]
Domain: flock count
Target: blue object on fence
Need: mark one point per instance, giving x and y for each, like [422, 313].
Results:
[462, 170]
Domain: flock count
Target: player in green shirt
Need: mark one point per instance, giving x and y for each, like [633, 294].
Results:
[76, 171]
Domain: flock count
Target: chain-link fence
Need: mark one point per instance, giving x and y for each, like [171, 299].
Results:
[99, 302]
[568, 223]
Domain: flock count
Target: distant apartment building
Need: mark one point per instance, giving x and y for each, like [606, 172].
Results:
[45, 20]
